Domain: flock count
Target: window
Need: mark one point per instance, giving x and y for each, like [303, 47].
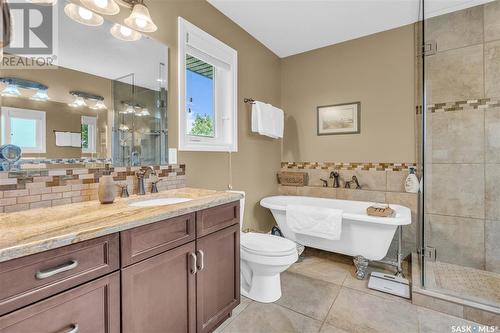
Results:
[207, 92]
[89, 134]
[24, 128]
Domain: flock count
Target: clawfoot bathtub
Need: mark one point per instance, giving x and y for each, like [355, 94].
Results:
[363, 237]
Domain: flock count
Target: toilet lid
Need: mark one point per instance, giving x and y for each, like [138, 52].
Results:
[266, 244]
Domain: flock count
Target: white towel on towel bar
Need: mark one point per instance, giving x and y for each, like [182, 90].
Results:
[267, 120]
[315, 221]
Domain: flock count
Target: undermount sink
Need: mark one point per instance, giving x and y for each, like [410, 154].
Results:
[159, 202]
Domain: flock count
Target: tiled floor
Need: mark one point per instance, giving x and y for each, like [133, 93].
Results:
[321, 294]
[477, 285]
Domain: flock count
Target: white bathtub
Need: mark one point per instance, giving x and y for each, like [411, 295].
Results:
[362, 235]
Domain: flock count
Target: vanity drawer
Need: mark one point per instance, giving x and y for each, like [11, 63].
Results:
[29, 279]
[93, 307]
[217, 218]
[143, 242]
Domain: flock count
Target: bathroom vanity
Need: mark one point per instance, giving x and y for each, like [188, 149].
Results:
[88, 267]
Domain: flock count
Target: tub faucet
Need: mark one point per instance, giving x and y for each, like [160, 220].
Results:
[354, 180]
[335, 176]
[140, 179]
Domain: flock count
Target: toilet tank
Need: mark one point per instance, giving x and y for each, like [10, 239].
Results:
[242, 206]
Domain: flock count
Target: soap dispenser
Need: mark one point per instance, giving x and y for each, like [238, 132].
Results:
[412, 184]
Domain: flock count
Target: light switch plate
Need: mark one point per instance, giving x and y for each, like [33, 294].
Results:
[172, 155]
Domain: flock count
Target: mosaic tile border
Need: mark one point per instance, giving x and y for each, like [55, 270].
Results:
[468, 105]
[30, 189]
[349, 166]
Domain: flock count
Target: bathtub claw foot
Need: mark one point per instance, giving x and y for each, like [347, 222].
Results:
[361, 264]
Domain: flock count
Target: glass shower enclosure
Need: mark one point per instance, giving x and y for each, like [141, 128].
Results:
[458, 116]
[140, 121]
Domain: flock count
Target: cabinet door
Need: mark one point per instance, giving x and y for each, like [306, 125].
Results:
[218, 281]
[90, 308]
[158, 294]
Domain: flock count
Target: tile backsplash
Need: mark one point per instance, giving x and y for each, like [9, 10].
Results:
[29, 189]
[372, 176]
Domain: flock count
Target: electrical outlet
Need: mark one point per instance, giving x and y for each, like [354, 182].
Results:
[172, 155]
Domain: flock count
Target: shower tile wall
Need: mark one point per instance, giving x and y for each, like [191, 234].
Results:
[463, 140]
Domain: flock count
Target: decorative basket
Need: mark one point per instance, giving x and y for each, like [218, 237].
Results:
[288, 178]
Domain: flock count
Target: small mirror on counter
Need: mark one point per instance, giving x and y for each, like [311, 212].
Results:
[104, 103]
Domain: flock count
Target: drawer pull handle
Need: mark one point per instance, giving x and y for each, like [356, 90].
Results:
[193, 263]
[40, 275]
[201, 265]
[74, 328]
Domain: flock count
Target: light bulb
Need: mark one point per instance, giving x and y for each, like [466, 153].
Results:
[11, 90]
[101, 3]
[41, 95]
[141, 22]
[125, 31]
[84, 13]
[79, 101]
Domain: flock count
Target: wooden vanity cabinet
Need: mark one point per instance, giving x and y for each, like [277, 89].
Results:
[90, 308]
[190, 288]
[218, 281]
[178, 275]
[159, 293]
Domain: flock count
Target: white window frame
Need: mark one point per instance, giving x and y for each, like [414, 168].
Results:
[197, 43]
[91, 122]
[38, 116]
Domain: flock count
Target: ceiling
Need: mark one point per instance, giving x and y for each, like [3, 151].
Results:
[289, 27]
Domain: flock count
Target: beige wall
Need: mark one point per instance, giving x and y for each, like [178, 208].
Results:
[378, 71]
[257, 160]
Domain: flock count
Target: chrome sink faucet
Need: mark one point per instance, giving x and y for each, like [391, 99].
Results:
[141, 190]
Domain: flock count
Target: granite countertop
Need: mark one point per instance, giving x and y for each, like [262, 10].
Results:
[38, 230]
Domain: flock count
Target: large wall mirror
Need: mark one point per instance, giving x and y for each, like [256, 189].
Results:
[106, 102]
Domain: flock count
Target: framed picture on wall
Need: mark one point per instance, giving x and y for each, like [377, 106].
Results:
[339, 119]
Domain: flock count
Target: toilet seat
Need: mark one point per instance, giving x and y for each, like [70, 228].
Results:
[267, 245]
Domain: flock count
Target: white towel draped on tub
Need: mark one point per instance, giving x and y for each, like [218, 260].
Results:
[267, 120]
[314, 221]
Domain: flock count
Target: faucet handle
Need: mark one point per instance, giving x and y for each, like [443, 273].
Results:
[124, 190]
[154, 185]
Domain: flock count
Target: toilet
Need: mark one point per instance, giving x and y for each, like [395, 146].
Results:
[263, 258]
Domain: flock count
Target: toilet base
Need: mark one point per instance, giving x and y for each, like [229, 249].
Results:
[264, 288]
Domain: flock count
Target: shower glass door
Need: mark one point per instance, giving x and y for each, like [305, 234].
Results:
[460, 151]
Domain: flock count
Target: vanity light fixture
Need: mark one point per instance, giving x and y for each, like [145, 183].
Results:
[81, 99]
[11, 91]
[104, 7]
[83, 15]
[143, 112]
[124, 33]
[99, 105]
[78, 102]
[140, 19]
[13, 85]
[129, 109]
[40, 95]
